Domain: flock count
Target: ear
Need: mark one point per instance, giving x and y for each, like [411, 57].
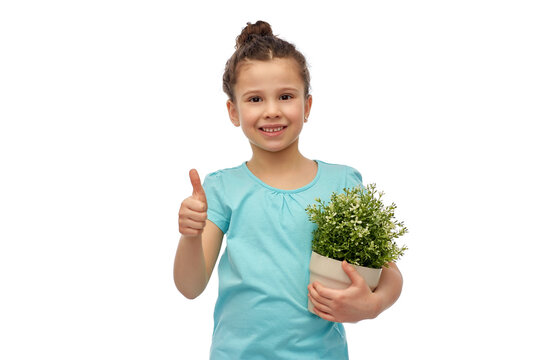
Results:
[233, 113]
[307, 107]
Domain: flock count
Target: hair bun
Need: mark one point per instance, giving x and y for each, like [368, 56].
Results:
[260, 28]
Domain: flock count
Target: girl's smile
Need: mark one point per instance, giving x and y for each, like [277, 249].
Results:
[273, 130]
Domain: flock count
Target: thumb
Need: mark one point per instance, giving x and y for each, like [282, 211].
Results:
[351, 272]
[198, 191]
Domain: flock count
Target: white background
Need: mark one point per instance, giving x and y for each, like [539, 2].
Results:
[106, 105]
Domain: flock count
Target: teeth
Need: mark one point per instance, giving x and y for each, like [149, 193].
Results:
[273, 129]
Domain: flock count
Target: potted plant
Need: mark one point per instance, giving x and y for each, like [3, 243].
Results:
[357, 227]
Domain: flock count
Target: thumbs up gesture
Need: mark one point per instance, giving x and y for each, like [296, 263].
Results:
[192, 215]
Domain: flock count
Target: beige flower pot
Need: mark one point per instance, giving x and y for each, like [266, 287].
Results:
[329, 272]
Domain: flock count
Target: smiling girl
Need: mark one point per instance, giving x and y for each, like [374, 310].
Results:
[259, 206]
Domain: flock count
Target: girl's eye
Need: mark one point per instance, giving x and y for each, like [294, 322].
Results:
[255, 99]
[285, 97]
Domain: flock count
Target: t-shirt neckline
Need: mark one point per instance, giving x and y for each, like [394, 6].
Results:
[303, 188]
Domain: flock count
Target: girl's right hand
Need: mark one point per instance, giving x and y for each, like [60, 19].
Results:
[192, 214]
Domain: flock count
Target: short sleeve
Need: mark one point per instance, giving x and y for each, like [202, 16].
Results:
[218, 210]
[354, 178]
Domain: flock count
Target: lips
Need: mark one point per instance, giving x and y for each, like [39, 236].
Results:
[272, 130]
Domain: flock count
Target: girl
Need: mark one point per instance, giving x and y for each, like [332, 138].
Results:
[261, 311]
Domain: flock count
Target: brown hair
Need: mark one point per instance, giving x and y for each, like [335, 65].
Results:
[257, 42]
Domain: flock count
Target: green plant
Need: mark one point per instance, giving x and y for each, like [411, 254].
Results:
[357, 227]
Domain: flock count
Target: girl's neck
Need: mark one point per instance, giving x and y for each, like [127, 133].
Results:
[286, 170]
[271, 162]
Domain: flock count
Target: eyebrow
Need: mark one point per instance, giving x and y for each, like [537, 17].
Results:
[293, 89]
[279, 90]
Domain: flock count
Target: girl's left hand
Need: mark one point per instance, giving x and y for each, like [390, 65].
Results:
[353, 304]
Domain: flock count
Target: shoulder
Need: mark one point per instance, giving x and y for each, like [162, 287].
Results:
[347, 174]
[225, 179]
[338, 168]
[224, 173]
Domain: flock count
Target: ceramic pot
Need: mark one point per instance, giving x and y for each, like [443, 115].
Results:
[329, 272]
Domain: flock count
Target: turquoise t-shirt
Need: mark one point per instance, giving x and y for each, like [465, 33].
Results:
[261, 310]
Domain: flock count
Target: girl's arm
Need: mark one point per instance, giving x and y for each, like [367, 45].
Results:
[199, 245]
[195, 260]
[389, 289]
[357, 302]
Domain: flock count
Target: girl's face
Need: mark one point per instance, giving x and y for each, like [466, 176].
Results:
[270, 105]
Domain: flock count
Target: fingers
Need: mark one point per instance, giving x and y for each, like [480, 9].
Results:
[191, 223]
[195, 216]
[192, 214]
[321, 305]
[322, 293]
[195, 205]
[324, 315]
[192, 217]
[194, 225]
[198, 191]
[318, 295]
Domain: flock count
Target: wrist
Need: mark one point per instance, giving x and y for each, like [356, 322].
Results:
[191, 237]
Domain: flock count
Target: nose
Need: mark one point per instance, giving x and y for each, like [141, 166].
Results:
[272, 110]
